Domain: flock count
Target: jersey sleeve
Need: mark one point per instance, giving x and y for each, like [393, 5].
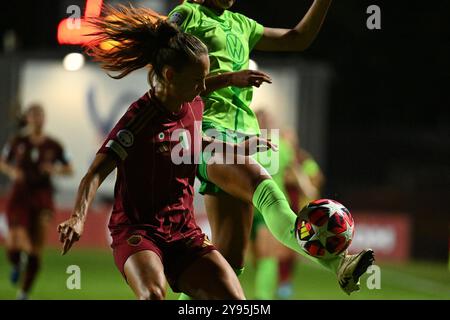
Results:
[119, 142]
[183, 16]
[255, 30]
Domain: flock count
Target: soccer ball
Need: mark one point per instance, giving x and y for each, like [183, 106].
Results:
[324, 228]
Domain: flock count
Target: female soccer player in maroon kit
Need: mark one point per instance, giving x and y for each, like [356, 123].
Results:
[155, 236]
[30, 159]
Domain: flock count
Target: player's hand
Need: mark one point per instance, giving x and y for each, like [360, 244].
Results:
[69, 232]
[248, 78]
[256, 144]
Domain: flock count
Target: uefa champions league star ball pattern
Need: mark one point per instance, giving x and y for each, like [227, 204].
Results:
[325, 228]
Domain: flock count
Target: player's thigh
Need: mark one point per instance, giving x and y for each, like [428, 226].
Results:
[39, 231]
[239, 178]
[211, 277]
[18, 239]
[231, 221]
[144, 272]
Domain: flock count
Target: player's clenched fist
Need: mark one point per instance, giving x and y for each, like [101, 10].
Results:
[69, 232]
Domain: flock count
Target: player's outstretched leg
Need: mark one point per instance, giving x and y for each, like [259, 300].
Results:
[352, 267]
[246, 180]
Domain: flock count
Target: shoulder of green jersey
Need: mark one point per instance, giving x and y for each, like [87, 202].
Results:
[180, 14]
[243, 18]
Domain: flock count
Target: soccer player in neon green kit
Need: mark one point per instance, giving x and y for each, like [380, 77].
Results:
[231, 190]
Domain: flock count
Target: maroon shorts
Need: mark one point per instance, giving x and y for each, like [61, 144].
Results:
[175, 256]
[22, 209]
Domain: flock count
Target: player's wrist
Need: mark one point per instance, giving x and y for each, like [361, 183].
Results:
[78, 216]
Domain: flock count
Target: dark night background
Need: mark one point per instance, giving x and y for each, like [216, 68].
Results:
[388, 143]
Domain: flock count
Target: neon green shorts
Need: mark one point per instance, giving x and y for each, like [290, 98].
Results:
[207, 187]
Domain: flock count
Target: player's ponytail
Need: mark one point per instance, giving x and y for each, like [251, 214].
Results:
[140, 37]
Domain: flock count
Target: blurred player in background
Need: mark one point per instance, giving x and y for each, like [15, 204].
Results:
[155, 236]
[232, 190]
[30, 159]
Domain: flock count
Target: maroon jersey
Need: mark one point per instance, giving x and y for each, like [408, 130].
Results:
[29, 158]
[152, 191]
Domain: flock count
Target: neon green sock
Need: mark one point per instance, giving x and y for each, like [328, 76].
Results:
[280, 219]
[239, 271]
[184, 296]
[266, 278]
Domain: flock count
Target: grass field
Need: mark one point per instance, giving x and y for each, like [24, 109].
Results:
[101, 280]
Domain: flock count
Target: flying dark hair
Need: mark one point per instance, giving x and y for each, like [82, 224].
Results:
[140, 37]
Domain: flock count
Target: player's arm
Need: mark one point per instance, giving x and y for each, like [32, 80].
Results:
[63, 170]
[301, 36]
[60, 169]
[240, 79]
[71, 230]
[6, 167]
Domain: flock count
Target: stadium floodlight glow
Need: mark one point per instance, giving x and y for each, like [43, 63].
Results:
[252, 65]
[73, 61]
[68, 34]
[76, 30]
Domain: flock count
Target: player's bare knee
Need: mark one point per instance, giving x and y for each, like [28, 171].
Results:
[152, 292]
[235, 295]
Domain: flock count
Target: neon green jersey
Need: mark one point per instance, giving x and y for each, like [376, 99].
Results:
[229, 37]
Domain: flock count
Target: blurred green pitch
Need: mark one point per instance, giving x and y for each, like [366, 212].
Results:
[101, 280]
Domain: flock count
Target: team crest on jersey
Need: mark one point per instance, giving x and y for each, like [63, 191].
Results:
[235, 48]
[125, 137]
[134, 240]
